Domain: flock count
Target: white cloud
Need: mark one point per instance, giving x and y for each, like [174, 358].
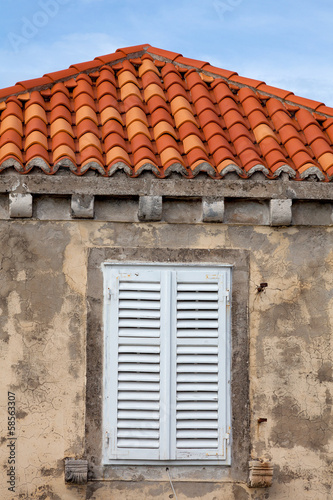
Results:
[261, 45]
[48, 57]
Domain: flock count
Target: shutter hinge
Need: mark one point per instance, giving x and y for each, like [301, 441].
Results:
[226, 442]
[108, 292]
[228, 297]
[107, 434]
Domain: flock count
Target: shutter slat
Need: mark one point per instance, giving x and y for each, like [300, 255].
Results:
[202, 296]
[138, 443]
[139, 313]
[152, 349]
[204, 324]
[138, 295]
[197, 287]
[138, 286]
[196, 396]
[196, 378]
[197, 405]
[139, 323]
[195, 386]
[193, 314]
[200, 368]
[139, 396]
[203, 349]
[195, 359]
[139, 368]
[140, 304]
[138, 377]
[197, 424]
[138, 405]
[138, 386]
[146, 424]
[138, 433]
[204, 305]
[197, 434]
[138, 359]
[197, 342]
[140, 415]
[139, 332]
[192, 334]
[197, 443]
[197, 415]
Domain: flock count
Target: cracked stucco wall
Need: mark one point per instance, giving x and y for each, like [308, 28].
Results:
[43, 354]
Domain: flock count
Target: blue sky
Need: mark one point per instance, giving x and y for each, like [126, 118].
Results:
[286, 43]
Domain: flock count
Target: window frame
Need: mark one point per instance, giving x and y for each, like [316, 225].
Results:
[224, 272]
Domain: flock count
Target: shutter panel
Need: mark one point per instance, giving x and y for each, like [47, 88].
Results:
[200, 404]
[137, 318]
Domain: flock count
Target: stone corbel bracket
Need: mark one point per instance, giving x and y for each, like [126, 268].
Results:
[260, 474]
[20, 205]
[212, 209]
[82, 206]
[76, 471]
[150, 208]
[280, 212]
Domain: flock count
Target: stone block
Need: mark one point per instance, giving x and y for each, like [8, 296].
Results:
[20, 205]
[246, 211]
[182, 210]
[76, 471]
[312, 213]
[260, 474]
[82, 206]
[117, 209]
[49, 207]
[212, 209]
[150, 208]
[280, 212]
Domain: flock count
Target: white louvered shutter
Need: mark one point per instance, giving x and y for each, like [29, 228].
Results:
[200, 415]
[137, 318]
[167, 363]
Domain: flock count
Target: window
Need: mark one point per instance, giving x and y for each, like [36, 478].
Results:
[167, 363]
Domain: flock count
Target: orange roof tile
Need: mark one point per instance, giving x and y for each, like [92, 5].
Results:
[146, 108]
[10, 150]
[11, 136]
[60, 125]
[11, 122]
[164, 127]
[63, 139]
[63, 151]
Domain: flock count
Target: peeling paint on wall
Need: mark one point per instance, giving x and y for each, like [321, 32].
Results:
[43, 354]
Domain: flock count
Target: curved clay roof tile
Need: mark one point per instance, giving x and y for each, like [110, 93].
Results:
[229, 124]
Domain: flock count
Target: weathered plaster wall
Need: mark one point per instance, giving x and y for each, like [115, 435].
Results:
[43, 354]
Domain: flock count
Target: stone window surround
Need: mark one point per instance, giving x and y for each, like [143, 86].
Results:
[239, 260]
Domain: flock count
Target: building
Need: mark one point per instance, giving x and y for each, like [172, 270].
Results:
[167, 284]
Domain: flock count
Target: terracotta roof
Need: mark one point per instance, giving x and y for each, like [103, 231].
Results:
[144, 108]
